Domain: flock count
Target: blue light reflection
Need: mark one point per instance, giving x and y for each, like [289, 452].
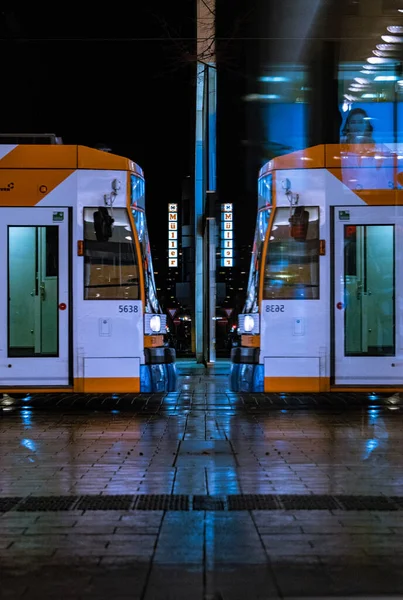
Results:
[30, 444]
[26, 416]
[370, 447]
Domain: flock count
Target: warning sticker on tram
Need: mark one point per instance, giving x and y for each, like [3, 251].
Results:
[344, 215]
[58, 216]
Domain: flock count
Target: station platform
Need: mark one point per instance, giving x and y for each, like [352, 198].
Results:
[201, 493]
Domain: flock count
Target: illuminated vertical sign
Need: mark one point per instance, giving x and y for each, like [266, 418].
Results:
[227, 236]
[172, 235]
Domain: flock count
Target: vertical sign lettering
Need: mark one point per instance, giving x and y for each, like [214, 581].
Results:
[227, 235]
[172, 235]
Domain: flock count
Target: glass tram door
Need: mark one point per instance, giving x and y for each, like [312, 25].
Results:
[34, 297]
[368, 257]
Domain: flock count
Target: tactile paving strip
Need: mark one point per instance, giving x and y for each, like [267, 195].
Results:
[121, 502]
[182, 502]
[46, 503]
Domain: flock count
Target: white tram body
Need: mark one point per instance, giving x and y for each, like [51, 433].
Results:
[324, 308]
[77, 298]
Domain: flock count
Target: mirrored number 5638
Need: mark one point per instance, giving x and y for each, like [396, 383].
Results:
[274, 307]
[128, 308]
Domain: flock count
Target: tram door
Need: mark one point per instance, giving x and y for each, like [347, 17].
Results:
[368, 256]
[34, 297]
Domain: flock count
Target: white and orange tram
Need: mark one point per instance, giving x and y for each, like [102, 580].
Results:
[324, 307]
[78, 299]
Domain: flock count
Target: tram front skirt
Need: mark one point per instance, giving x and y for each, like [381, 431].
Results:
[159, 373]
[246, 374]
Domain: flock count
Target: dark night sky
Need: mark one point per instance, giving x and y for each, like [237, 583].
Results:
[122, 77]
[238, 67]
[74, 76]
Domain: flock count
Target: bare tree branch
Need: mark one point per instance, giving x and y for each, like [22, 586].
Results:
[211, 11]
[184, 53]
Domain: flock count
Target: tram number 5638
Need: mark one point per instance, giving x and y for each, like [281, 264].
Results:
[128, 308]
[274, 307]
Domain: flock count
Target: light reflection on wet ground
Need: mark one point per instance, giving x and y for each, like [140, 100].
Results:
[201, 441]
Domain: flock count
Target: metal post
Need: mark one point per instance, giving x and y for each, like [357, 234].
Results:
[205, 156]
[210, 287]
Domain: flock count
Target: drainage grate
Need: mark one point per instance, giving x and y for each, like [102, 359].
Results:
[208, 503]
[162, 502]
[123, 502]
[309, 502]
[366, 503]
[398, 500]
[252, 502]
[7, 504]
[47, 503]
[182, 502]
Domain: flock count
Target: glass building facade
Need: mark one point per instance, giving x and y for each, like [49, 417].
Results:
[314, 72]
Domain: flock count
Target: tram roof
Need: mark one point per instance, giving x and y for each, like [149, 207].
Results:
[333, 156]
[55, 156]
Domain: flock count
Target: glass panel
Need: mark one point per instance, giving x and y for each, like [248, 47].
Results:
[391, 7]
[367, 97]
[349, 7]
[52, 251]
[152, 304]
[48, 262]
[265, 191]
[33, 273]
[137, 191]
[110, 260]
[281, 103]
[369, 317]
[292, 260]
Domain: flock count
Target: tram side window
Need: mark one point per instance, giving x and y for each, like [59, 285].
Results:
[110, 260]
[292, 259]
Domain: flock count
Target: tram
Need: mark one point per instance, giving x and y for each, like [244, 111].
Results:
[78, 299]
[324, 306]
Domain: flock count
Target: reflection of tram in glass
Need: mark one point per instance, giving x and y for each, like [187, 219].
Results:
[324, 302]
[78, 299]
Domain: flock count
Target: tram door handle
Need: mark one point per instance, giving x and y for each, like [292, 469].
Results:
[42, 291]
[359, 291]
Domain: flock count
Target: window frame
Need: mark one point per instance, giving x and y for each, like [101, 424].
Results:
[132, 243]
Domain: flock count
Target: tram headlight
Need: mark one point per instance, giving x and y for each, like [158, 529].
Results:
[248, 323]
[155, 323]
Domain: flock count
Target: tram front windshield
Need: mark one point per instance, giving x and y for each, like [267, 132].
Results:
[152, 304]
[252, 294]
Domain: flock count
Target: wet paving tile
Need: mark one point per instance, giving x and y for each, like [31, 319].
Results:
[201, 491]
